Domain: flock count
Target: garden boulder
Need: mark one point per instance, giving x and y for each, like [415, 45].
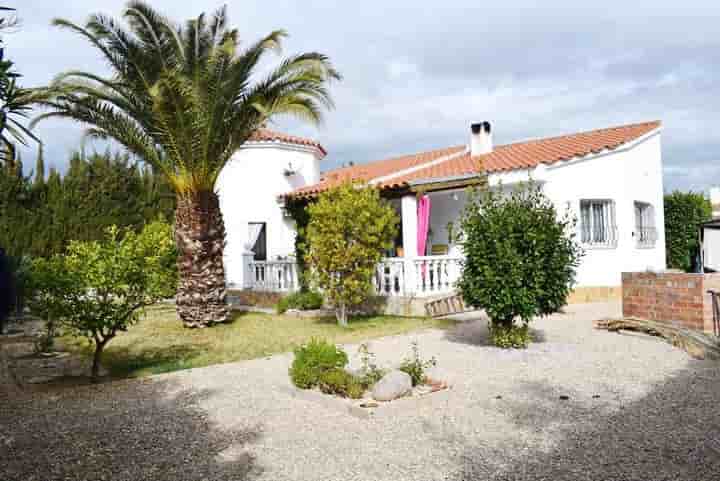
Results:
[393, 385]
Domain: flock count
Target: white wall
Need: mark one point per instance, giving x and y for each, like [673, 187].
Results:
[249, 187]
[625, 176]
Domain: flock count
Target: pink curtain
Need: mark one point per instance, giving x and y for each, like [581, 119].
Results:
[423, 224]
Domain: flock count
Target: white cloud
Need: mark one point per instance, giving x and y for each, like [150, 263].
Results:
[415, 77]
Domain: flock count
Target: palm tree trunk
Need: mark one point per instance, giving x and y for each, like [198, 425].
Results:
[200, 238]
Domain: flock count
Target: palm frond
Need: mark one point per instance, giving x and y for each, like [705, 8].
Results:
[184, 97]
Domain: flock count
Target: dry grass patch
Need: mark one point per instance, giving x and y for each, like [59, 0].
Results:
[159, 343]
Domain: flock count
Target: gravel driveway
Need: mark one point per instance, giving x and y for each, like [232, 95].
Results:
[637, 409]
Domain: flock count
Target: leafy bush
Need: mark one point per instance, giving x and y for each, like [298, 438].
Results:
[341, 383]
[521, 257]
[312, 360]
[303, 300]
[684, 212]
[99, 288]
[516, 337]
[415, 367]
[348, 232]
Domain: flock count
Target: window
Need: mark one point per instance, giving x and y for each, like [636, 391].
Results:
[645, 233]
[597, 223]
[257, 236]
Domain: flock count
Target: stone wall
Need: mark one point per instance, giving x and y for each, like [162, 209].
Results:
[679, 299]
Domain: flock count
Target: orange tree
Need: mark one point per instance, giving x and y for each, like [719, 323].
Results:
[349, 229]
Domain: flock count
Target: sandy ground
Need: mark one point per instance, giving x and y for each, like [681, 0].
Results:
[635, 409]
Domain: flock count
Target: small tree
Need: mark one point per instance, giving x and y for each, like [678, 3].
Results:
[684, 212]
[98, 289]
[349, 228]
[520, 257]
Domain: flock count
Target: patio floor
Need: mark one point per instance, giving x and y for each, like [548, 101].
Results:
[636, 409]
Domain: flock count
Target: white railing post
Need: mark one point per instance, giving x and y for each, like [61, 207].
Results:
[248, 271]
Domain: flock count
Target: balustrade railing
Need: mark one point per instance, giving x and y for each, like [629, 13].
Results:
[390, 277]
[275, 276]
[394, 276]
[436, 274]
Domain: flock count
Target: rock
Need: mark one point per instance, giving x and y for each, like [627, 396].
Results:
[434, 375]
[393, 385]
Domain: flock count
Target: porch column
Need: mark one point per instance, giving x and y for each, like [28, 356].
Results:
[408, 209]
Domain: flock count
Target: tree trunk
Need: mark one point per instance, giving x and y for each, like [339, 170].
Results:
[341, 314]
[200, 238]
[95, 371]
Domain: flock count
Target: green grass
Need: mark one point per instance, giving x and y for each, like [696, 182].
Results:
[159, 343]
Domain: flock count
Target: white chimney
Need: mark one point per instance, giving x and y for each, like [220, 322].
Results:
[715, 201]
[480, 139]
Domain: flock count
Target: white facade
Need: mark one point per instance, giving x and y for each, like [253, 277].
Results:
[629, 174]
[249, 187]
[619, 183]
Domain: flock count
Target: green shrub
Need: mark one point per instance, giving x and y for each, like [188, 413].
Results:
[312, 360]
[370, 372]
[517, 337]
[521, 256]
[341, 383]
[348, 231]
[303, 300]
[415, 367]
[684, 212]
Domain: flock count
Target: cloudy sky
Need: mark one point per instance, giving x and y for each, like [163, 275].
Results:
[417, 73]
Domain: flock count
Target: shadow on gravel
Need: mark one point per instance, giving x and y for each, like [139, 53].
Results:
[672, 433]
[131, 430]
[475, 333]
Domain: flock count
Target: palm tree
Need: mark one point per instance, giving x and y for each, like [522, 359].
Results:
[184, 98]
[15, 101]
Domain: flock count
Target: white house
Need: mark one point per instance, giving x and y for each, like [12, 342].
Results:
[610, 179]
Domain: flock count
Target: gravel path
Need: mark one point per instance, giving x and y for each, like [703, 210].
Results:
[637, 409]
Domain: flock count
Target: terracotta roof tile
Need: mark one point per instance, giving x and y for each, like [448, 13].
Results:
[520, 155]
[267, 135]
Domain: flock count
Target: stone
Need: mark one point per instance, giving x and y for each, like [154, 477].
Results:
[393, 385]
[435, 375]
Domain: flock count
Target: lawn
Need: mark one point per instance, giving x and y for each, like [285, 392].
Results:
[159, 343]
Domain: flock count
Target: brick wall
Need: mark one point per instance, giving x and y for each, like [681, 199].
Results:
[679, 299]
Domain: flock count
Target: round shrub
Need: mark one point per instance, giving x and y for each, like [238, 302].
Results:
[521, 257]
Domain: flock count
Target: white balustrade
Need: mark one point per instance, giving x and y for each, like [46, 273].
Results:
[436, 274]
[274, 276]
[390, 277]
[394, 276]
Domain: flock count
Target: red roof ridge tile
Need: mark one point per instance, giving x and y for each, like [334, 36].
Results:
[524, 154]
[264, 134]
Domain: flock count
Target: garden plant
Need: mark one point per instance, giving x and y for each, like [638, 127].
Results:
[521, 259]
[100, 288]
[350, 227]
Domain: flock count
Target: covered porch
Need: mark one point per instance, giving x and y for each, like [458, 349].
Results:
[426, 260]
